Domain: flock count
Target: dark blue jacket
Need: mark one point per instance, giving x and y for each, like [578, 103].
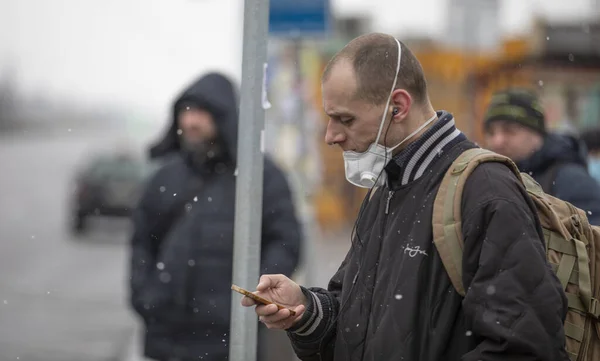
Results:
[181, 276]
[561, 169]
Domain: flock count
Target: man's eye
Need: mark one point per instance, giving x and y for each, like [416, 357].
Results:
[346, 121]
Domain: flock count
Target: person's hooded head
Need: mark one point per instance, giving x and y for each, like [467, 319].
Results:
[515, 123]
[204, 122]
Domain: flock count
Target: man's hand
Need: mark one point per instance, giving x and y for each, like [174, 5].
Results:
[283, 291]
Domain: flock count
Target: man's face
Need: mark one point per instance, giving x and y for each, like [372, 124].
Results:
[353, 123]
[512, 140]
[197, 126]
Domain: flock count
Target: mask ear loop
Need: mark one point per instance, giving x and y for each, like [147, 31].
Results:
[387, 104]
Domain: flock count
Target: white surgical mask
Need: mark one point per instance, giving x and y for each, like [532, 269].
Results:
[366, 169]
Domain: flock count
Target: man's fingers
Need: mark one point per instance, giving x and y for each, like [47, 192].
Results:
[299, 311]
[265, 283]
[248, 302]
[283, 319]
[266, 310]
[269, 281]
[276, 317]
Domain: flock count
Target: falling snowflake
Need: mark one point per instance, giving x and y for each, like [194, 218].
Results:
[469, 333]
[398, 297]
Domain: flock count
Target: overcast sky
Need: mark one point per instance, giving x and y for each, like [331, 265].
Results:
[141, 52]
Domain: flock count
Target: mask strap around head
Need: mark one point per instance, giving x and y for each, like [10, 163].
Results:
[427, 122]
[391, 91]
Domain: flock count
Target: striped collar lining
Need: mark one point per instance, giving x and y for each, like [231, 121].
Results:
[415, 159]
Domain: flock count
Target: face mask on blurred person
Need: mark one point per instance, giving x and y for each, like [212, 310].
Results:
[594, 168]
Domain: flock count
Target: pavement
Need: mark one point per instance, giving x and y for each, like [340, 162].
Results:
[61, 298]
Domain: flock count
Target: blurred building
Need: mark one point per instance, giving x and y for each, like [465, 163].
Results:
[473, 25]
[560, 61]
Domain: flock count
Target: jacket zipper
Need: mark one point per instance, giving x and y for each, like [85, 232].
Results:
[387, 205]
[383, 226]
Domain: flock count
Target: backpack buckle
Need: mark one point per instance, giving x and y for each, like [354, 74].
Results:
[594, 307]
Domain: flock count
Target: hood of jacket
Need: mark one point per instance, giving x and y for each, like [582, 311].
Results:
[215, 93]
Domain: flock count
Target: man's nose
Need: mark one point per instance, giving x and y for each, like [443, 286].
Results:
[333, 134]
[495, 141]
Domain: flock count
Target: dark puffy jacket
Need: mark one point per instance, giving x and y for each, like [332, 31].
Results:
[561, 169]
[181, 276]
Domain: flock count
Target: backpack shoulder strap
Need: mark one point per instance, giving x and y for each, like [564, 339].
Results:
[446, 219]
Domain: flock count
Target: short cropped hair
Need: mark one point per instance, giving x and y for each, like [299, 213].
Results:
[374, 58]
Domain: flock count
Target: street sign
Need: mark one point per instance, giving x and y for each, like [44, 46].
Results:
[304, 18]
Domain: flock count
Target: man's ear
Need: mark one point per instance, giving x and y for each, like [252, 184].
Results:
[401, 104]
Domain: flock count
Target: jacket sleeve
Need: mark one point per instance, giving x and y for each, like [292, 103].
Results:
[144, 247]
[281, 231]
[574, 185]
[514, 305]
[313, 337]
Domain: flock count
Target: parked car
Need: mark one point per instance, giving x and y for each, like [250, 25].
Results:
[107, 185]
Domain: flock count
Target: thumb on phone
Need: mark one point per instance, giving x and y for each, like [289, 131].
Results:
[268, 281]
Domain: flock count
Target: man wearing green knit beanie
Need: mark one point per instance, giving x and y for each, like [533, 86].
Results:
[515, 127]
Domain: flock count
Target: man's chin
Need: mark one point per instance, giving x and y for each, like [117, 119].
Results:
[195, 145]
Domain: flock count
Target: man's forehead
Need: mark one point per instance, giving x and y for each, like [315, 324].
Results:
[341, 75]
[339, 89]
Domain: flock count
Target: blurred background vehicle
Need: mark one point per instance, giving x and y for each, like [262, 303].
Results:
[107, 184]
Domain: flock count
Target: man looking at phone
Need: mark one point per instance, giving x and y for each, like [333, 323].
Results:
[182, 246]
[392, 298]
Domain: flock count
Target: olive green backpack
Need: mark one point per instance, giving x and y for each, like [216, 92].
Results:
[572, 247]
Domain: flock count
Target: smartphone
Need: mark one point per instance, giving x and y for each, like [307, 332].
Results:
[258, 298]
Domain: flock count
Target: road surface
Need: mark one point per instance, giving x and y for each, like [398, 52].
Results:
[61, 298]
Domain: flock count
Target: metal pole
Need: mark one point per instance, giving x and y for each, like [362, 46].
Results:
[308, 249]
[249, 183]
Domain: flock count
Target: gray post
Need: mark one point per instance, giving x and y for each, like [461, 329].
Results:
[249, 184]
[306, 193]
